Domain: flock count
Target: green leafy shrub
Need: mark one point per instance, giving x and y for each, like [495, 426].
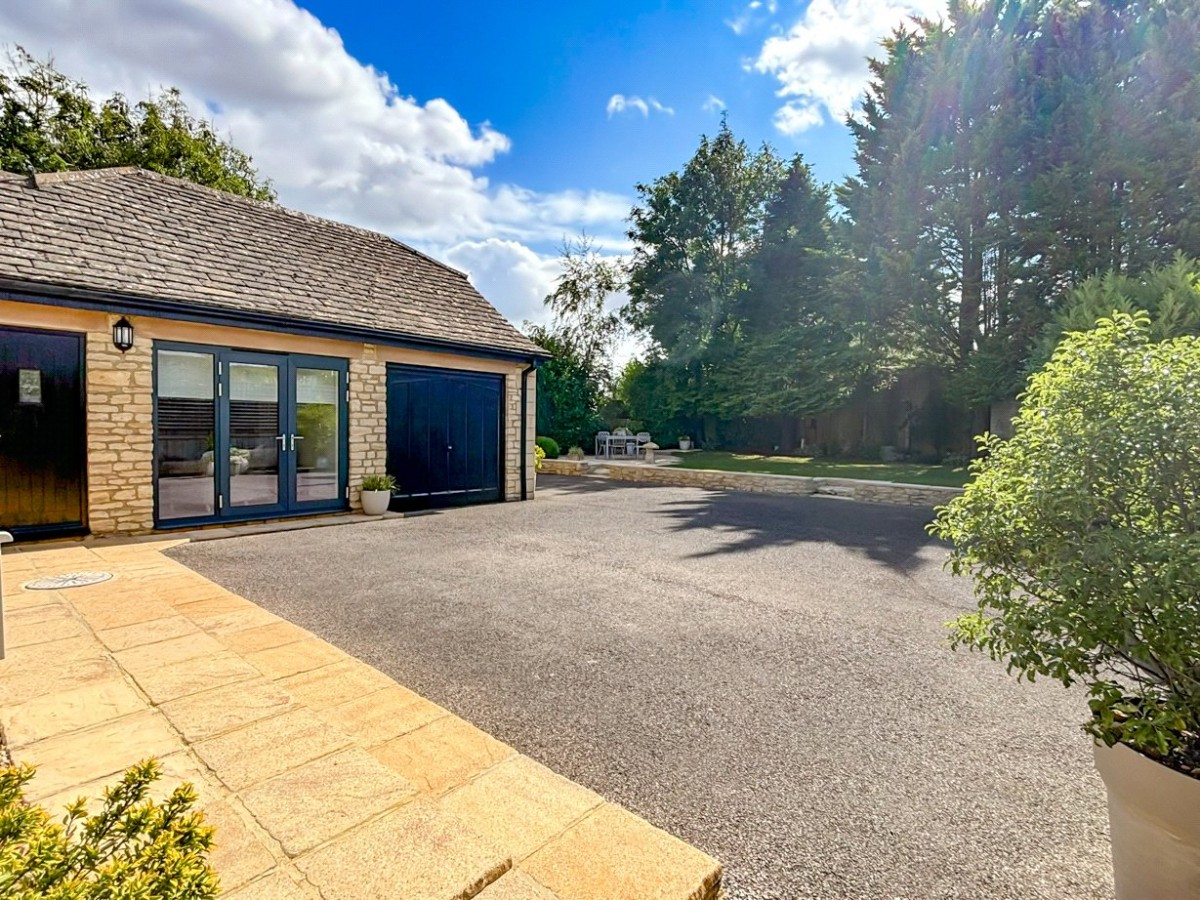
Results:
[1082, 533]
[575, 453]
[549, 446]
[378, 482]
[133, 848]
[538, 455]
[1170, 294]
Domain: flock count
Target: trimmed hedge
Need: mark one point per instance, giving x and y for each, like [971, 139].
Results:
[549, 446]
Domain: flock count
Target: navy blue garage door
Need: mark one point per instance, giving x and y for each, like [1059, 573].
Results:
[444, 436]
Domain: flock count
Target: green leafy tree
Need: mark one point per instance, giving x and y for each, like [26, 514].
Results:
[132, 848]
[653, 394]
[580, 338]
[583, 304]
[733, 280]
[694, 232]
[568, 393]
[49, 123]
[1082, 536]
[1170, 294]
[798, 353]
[1010, 150]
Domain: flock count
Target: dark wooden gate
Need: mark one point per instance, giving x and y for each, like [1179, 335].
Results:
[444, 436]
[41, 432]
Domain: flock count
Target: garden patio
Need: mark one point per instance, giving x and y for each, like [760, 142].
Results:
[322, 776]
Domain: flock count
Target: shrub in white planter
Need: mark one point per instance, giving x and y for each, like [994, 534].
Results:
[376, 493]
[1082, 533]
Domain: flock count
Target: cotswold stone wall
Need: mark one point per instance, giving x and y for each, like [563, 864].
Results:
[368, 420]
[870, 491]
[120, 436]
[512, 434]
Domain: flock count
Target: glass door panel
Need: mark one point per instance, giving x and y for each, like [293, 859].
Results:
[185, 441]
[255, 434]
[317, 435]
[241, 434]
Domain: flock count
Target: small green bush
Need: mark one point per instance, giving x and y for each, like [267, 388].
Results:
[378, 482]
[1082, 536]
[538, 455]
[549, 446]
[132, 849]
[575, 453]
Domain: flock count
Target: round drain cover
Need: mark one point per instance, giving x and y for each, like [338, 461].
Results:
[69, 580]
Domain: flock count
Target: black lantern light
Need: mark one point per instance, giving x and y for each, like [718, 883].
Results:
[123, 335]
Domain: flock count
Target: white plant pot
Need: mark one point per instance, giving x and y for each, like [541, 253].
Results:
[1154, 821]
[685, 445]
[375, 503]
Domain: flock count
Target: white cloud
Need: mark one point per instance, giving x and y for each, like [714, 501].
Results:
[713, 104]
[619, 103]
[754, 14]
[821, 61]
[501, 268]
[337, 137]
[796, 116]
[505, 268]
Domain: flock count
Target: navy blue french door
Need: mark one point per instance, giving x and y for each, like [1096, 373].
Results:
[242, 435]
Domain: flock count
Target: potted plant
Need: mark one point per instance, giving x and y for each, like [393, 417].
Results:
[376, 493]
[576, 454]
[685, 442]
[1082, 533]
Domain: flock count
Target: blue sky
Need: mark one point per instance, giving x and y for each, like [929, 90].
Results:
[543, 74]
[482, 133]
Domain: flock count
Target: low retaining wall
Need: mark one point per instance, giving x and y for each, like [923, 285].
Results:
[927, 496]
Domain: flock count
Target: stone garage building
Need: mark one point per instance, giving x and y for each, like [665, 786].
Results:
[175, 356]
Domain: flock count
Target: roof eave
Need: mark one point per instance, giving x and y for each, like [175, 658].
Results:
[132, 304]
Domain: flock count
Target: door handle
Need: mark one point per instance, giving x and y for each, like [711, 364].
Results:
[449, 447]
[295, 437]
[282, 438]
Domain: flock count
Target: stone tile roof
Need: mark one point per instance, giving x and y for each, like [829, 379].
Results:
[131, 231]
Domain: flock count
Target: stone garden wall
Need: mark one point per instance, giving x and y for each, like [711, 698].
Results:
[870, 491]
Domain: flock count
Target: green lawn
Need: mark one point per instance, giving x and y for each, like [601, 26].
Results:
[908, 473]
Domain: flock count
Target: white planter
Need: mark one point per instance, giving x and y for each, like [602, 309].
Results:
[685, 445]
[375, 503]
[1154, 821]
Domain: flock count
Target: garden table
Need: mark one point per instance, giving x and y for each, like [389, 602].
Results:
[621, 442]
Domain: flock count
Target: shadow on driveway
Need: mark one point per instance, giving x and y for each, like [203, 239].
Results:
[893, 536]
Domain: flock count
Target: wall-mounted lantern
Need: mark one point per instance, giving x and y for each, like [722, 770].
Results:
[123, 335]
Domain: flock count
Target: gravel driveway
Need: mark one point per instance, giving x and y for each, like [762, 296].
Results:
[764, 677]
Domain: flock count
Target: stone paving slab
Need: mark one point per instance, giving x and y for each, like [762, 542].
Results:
[416, 851]
[50, 715]
[515, 885]
[323, 777]
[383, 715]
[213, 712]
[522, 805]
[309, 805]
[614, 855]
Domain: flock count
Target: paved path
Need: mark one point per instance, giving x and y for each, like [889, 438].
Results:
[764, 677]
[324, 778]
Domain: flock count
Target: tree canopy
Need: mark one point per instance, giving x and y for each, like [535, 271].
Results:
[50, 123]
[1011, 150]
[1023, 167]
[731, 279]
[581, 335]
